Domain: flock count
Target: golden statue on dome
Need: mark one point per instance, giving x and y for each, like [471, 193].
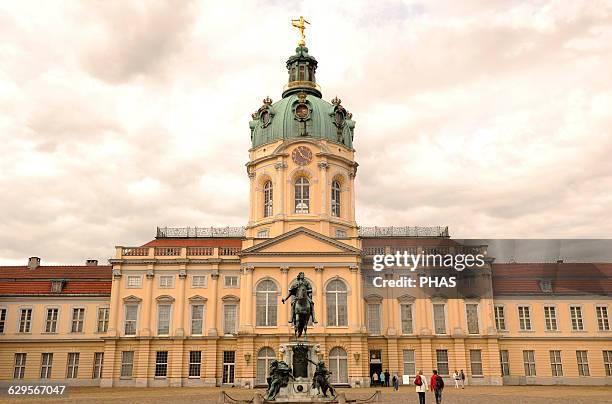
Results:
[301, 25]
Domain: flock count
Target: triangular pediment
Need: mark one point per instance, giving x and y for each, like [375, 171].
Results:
[301, 241]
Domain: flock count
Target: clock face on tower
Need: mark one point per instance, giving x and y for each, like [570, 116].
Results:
[301, 155]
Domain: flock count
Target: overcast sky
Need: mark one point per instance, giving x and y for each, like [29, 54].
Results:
[491, 117]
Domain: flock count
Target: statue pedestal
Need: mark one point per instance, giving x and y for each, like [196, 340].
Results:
[296, 355]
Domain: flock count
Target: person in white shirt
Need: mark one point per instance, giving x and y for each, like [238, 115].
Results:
[421, 386]
[456, 378]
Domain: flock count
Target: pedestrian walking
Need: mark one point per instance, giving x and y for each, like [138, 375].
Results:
[436, 385]
[456, 378]
[421, 386]
[382, 379]
[462, 375]
[375, 378]
[395, 382]
[387, 377]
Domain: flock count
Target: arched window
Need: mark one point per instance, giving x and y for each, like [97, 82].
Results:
[267, 299]
[264, 357]
[335, 199]
[336, 303]
[268, 199]
[302, 195]
[338, 366]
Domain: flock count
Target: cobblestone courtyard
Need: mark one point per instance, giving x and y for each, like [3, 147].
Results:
[472, 395]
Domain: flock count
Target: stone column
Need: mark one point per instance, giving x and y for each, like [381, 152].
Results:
[147, 301]
[113, 328]
[180, 306]
[253, 204]
[214, 278]
[319, 301]
[355, 326]
[323, 166]
[249, 298]
[284, 308]
[279, 190]
[351, 205]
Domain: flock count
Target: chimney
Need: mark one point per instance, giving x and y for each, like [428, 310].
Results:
[33, 263]
[91, 263]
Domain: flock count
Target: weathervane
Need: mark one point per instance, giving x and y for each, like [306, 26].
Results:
[301, 25]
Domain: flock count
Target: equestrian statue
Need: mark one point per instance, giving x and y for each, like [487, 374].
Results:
[302, 306]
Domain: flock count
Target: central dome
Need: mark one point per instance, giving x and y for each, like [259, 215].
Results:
[302, 112]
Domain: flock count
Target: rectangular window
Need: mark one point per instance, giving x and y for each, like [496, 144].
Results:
[607, 358]
[134, 281]
[78, 319]
[46, 362]
[505, 364]
[230, 281]
[131, 315]
[2, 320]
[264, 233]
[72, 368]
[583, 363]
[576, 317]
[229, 364]
[556, 367]
[161, 363]
[442, 361]
[229, 318]
[550, 318]
[198, 281]
[524, 318]
[97, 366]
[195, 363]
[374, 318]
[163, 319]
[471, 313]
[529, 363]
[103, 315]
[25, 321]
[197, 319]
[20, 364]
[439, 318]
[127, 363]
[166, 281]
[51, 320]
[476, 362]
[340, 233]
[406, 318]
[500, 318]
[603, 323]
[409, 362]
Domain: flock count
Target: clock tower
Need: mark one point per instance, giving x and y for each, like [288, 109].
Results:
[301, 162]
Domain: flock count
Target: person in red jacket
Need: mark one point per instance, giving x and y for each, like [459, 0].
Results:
[436, 384]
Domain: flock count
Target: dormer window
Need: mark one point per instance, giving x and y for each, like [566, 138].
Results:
[57, 286]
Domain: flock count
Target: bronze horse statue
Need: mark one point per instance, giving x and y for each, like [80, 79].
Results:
[302, 306]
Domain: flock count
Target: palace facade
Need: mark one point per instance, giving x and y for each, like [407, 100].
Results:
[202, 306]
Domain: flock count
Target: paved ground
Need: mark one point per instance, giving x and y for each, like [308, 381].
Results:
[471, 395]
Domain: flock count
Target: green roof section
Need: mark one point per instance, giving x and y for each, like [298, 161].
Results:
[302, 112]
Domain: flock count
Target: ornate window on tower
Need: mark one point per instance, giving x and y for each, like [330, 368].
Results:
[302, 195]
[335, 199]
[268, 199]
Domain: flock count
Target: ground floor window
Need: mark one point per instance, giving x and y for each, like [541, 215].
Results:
[583, 363]
[409, 362]
[264, 357]
[505, 365]
[97, 367]
[338, 365]
[195, 363]
[161, 363]
[20, 362]
[529, 363]
[229, 365]
[46, 362]
[607, 358]
[476, 362]
[127, 363]
[442, 361]
[72, 370]
[556, 367]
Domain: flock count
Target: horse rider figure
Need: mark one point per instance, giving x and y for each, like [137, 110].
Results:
[301, 280]
[320, 380]
[280, 373]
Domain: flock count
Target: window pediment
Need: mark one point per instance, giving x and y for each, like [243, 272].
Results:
[164, 299]
[406, 298]
[373, 298]
[132, 299]
[197, 299]
[230, 299]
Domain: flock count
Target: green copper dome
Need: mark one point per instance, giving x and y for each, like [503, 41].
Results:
[302, 112]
